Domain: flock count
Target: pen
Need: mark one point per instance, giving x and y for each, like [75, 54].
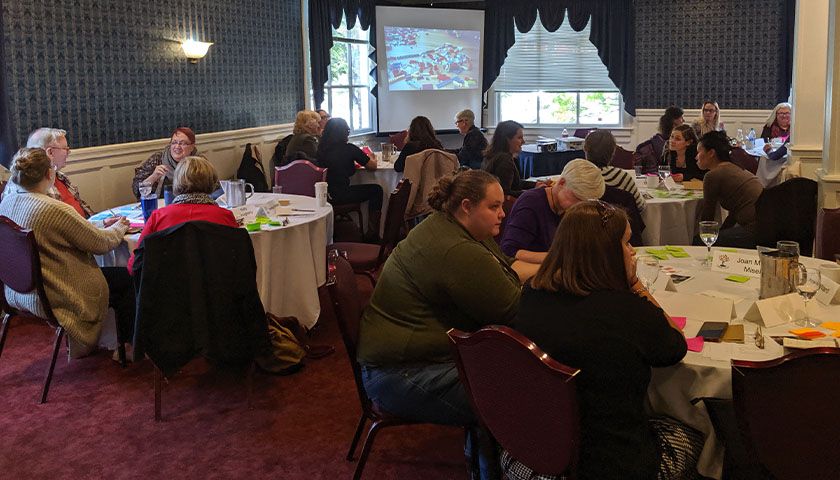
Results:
[302, 210]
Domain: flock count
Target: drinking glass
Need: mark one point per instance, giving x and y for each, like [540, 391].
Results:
[807, 281]
[664, 171]
[145, 189]
[149, 204]
[277, 189]
[638, 170]
[788, 247]
[709, 230]
[647, 269]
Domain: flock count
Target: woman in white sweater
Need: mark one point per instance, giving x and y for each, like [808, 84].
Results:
[76, 287]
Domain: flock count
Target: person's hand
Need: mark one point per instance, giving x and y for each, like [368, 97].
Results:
[767, 147]
[159, 172]
[630, 266]
[678, 177]
[543, 183]
[111, 220]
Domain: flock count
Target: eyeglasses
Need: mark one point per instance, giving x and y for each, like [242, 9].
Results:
[709, 110]
[605, 210]
[180, 144]
[783, 113]
[759, 337]
[325, 117]
[459, 121]
[59, 148]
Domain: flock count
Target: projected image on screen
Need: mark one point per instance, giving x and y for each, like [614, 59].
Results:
[431, 59]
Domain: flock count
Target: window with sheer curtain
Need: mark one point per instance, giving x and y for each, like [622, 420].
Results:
[347, 91]
[556, 79]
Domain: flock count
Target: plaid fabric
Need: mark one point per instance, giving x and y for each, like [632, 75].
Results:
[678, 446]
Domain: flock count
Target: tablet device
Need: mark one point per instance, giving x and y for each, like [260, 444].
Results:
[712, 331]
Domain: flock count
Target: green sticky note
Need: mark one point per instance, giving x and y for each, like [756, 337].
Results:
[656, 251]
[275, 224]
[730, 250]
[737, 278]
[659, 256]
[252, 227]
[261, 219]
[680, 254]
[674, 249]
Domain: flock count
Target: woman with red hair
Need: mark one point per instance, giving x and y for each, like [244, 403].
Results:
[161, 165]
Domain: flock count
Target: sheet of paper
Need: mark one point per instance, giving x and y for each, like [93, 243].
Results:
[800, 343]
[719, 294]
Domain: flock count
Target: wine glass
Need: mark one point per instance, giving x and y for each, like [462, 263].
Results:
[647, 269]
[709, 234]
[807, 281]
[145, 189]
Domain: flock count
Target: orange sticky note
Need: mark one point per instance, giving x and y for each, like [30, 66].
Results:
[836, 334]
[831, 325]
[807, 333]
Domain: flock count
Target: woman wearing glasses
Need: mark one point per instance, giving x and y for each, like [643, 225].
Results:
[161, 165]
[708, 120]
[587, 309]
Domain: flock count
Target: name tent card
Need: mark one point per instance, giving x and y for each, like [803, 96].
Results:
[245, 214]
[736, 263]
[828, 292]
[777, 310]
[696, 307]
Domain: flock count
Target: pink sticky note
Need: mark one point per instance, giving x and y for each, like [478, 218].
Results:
[680, 321]
[135, 225]
[694, 344]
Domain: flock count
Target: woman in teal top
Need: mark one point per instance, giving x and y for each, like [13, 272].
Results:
[448, 273]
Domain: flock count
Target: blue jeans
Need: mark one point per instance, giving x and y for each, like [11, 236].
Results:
[432, 393]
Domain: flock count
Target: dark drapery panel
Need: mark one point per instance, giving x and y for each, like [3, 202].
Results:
[8, 142]
[785, 80]
[325, 15]
[613, 33]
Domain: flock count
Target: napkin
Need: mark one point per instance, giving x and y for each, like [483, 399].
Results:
[695, 344]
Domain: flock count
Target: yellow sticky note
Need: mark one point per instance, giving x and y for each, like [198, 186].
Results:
[261, 219]
[730, 250]
[738, 278]
[680, 254]
[674, 249]
[831, 325]
[252, 227]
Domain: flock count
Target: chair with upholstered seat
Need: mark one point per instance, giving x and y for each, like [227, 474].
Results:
[626, 201]
[20, 270]
[788, 212]
[299, 177]
[622, 158]
[398, 139]
[366, 258]
[828, 233]
[583, 132]
[348, 311]
[526, 399]
[740, 157]
[783, 408]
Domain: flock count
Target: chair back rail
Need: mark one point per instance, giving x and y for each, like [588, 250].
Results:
[299, 177]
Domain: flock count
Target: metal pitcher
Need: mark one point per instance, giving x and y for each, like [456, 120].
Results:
[776, 270]
[388, 150]
[235, 195]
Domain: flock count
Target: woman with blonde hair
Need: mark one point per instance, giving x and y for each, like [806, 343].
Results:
[195, 179]
[304, 142]
[709, 118]
[78, 290]
[586, 308]
[777, 125]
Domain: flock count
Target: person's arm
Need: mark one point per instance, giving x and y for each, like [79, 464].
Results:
[145, 171]
[366, 160]
[529, 256]
[81, 234]
[710, 197]
[525, 269]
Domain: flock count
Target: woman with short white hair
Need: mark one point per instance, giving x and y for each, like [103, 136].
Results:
[470, 154]
[537, 213]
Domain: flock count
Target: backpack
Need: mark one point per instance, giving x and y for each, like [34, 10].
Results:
[251, 169]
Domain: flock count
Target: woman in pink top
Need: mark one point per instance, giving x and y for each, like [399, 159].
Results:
[195, 178]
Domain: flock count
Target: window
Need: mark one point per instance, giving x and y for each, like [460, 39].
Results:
[347, 92]
[556, 79]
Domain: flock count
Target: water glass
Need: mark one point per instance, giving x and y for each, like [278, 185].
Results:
[168, 196]
[664, 171]
[807, 281]
[647, 269]
[638, 170]
[149, 204]
[709, 230]
[277, 189]
[145, 189]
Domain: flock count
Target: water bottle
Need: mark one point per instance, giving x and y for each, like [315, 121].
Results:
[722, 127]
[739, 139]
[751, 139]
[564, 133]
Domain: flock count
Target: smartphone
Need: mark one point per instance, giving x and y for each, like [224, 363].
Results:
[712, 331]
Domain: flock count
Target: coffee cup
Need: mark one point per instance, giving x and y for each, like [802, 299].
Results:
[652, 181]
[831, 271]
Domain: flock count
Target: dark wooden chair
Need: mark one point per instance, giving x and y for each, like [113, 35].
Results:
[507, 206]
[398, 139]
[583, 132]
[20, 270]
[299, 177]
[366, 258]
[625, 200]
[788, 212]
[526, 399]
[622, 158]
[783, 407]
[348, 312]
[828, 233]
[740, 157]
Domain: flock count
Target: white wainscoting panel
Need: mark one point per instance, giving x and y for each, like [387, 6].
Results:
[104, 174]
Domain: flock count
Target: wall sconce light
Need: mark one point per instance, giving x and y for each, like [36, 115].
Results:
[195, 50]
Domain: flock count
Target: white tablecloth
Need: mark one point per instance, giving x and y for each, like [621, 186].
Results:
[291, 260]
[707, 373]
[386, 177]
[670, 221]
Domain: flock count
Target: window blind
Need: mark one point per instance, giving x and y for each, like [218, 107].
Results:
[553, 61]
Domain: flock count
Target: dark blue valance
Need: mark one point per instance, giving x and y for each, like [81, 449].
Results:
[612, 31]
[324, 15]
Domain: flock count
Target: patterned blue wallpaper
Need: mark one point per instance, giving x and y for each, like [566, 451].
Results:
[720, 49]
[112, 71]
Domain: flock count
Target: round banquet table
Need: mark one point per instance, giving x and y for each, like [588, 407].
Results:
[291, 259]
[386, 177]
[708, 373]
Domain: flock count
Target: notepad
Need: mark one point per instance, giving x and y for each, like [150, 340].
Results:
[674, 249]
[680, 254]
[694, 344]
[737, 278]
[807, 333]
[831, 325]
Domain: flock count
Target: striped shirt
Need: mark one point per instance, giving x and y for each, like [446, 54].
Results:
[618, 178]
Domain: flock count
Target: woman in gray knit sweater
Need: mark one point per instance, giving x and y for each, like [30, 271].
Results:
[77, 289]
